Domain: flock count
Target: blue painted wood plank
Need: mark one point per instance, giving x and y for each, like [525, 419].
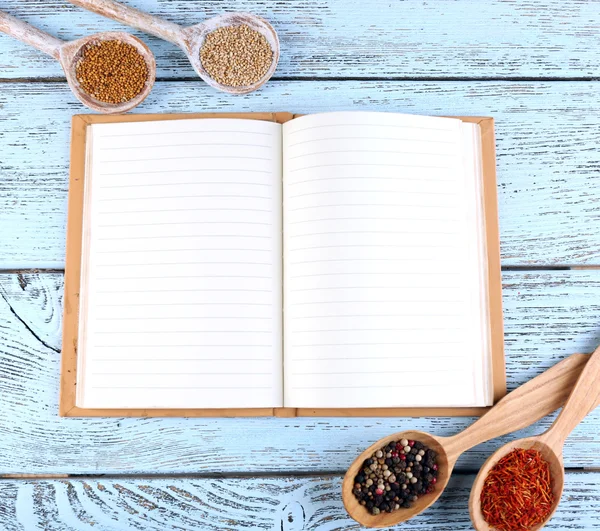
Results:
[281, 503]
[354, 38]
[546, 145]
[548, 315]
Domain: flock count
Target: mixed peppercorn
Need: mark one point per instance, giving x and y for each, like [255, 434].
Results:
[395, 476]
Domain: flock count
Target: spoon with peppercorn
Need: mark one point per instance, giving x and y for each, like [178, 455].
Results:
[191, 38]
[365, 485]
[71, 53]
[549, 445]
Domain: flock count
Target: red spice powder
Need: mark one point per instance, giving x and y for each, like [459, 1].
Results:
[517, 492]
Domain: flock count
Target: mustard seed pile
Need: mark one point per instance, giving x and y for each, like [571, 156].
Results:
[395, 476]
[236, 56]
[112, 71]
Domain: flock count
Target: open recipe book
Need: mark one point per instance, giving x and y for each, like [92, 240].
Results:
[342, 263]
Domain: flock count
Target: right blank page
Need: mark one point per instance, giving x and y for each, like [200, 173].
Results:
[385, 286]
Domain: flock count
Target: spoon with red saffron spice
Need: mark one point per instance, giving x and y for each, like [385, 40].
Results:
[522, 407]
[546, 456]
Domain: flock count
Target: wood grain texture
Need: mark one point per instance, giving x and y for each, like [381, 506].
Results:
[548, 315]
[549, 200]
[353, 38]
[286, 504]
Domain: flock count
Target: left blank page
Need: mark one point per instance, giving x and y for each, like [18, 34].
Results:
[180, 301]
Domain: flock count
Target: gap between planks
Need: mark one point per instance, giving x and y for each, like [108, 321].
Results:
[416, 79]
[230, 475]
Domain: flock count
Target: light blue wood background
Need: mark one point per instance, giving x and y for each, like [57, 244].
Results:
[531, 64]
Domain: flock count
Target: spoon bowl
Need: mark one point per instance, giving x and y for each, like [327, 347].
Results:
[522, 407]
[557, 473]
[68, 53]
[362, 515]
[191, 38]
[71, 53]
[583, 398]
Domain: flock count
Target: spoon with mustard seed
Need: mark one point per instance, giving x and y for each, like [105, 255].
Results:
[522, 407]
[108, 50]
[192, 38]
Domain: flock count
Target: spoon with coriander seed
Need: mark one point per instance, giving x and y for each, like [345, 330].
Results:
[530, 493]
[437, 455]
[235, 52]
[109, 72]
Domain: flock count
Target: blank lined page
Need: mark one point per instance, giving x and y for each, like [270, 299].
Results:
[383, 263]
[181, 290]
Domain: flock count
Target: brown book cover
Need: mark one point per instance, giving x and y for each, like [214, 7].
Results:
[68, 380]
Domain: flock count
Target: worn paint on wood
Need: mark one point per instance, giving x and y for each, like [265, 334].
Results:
[548, 315]
[549, 198]
[282, 504]
[354, 38]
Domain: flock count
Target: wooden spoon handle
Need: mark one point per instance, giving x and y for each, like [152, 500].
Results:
[583, 399]
[30, 35]
[133, 17]
[525, 405]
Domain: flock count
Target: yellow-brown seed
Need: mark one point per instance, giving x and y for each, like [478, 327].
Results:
[236, 56]
[112, 71]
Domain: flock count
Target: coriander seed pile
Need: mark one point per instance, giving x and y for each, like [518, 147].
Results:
[112, 71]
[395, 476]
[236, 56]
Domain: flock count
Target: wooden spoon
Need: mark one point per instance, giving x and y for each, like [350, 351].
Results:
[520, 408]
[191, 38]
[583, 399]
[69, 53]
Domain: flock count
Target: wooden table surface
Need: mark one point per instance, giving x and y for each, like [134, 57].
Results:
[532, 64]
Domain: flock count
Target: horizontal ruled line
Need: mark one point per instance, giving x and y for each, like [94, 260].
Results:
[170, 345]
[375, 302]
[408, 259]
[186, 210]
[402, 192]
[112, 360]
[119, 225]
[185, 332]
[395, 178]
[111, 305]
[204, 196]
[187, 133]
[176, 388]
[404, 166]
[342, 316]
[195, 144]
[378, 386]
[170, 318]
[358, 329]
[138, 277]
[404, 233]
[373, 344]
[185, 290]
[370, 125]
[362, 246]
[203, 373]
[403, 357]
[179, 250]
[377, 273]
[195, 157]
[392, 205]
[388, 287]
[329, 138]
[372, 151]
[413, 371]
[411, 218]
[145, 185]
[171, 236]
[183, 263]
[168, 172]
